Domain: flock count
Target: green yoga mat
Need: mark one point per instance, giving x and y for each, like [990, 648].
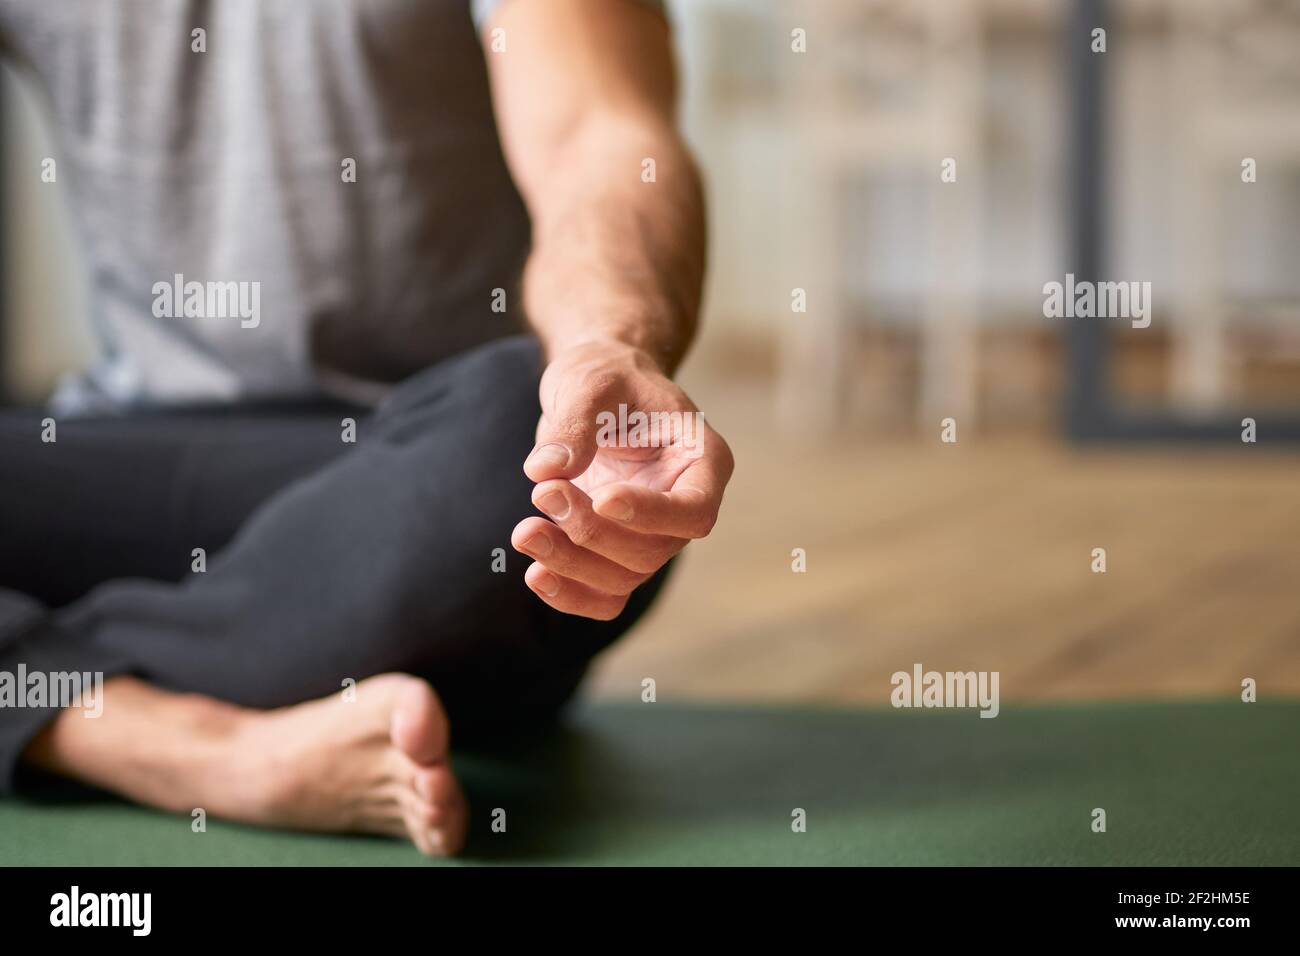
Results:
[1214, 783]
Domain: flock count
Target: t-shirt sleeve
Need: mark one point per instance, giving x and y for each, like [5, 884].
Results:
[482, 9]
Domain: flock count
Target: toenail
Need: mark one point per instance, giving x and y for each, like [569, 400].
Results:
[539, 545]
[555, 504]
[547, 583]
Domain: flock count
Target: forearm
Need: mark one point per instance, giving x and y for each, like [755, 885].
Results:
[616, 258]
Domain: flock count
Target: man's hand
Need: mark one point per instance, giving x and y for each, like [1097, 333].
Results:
[584, 95]
[617, 513]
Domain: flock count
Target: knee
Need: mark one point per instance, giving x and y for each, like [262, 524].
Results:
[489, 391]
[447, 470]
[453, 440]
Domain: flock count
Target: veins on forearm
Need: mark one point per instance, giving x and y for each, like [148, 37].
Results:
[616, 257]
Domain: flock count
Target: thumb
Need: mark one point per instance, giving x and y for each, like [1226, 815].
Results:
[566, 441]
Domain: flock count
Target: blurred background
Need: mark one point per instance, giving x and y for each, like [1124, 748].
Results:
[924, 301]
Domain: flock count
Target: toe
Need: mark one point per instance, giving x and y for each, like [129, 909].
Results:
[436, 785]
[428, 816]
[436, 813]
[419, 725]
[435, 830]
[423, 838]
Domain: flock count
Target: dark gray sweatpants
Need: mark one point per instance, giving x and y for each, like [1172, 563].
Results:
[325, 560]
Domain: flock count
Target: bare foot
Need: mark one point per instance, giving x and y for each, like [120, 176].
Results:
[376, 764]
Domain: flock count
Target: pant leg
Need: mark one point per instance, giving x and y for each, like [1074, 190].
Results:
[131, 497]
[380, 560]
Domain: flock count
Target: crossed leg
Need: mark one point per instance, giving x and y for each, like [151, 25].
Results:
[377, 558]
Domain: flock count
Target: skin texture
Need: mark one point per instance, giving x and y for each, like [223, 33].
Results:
[376, 764]
[613, 287]
[584, 93]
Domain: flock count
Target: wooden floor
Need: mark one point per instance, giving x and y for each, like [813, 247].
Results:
[977, 556]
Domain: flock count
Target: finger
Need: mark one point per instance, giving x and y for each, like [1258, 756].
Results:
[687, 510]
[566, 433]
[570, 508]
[551, 547]
[572, 597]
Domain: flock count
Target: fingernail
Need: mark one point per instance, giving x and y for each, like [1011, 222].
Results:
[555, 504]
[551, 455]
[424, 788]
[547, 583]
[437, 840]
[539, 545]
[617, 508]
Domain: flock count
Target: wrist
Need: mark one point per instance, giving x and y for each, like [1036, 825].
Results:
[606, 349]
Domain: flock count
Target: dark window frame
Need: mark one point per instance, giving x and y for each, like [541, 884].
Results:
[1092, 412]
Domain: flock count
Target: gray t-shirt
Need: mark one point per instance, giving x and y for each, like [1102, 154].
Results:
[224, 173]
